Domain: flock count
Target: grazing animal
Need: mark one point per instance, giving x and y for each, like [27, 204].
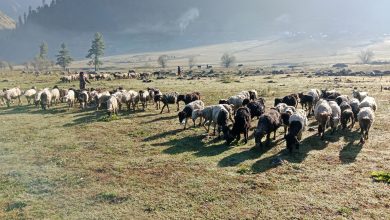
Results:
[346, 115]
[63, 93]
[366, 118]
[329, 94]
[315, 93]
[70, 98]
[336, 115]
[354, 103]
[157, 99]
[30, 95]
[297, 124]
[82, 97]
[236, 101]
[2, 97]
[341, 99]
[209, 114]
[169, 98]
[45, 99]
[252, 95]
[37, 99]
[242, 124]
[368, 102]
[112, 105]
[55, 95]
[256, 108]
[268, 123]
[187, 112]
[143, 98]
[11, 94]
[322, 113]
[190, 97]
[359, 95]
[277, 101]
[290, 100]
[223, 101]
[307, 102]
[222, 123]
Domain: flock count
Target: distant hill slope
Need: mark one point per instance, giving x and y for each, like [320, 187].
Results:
[134, 26]
[6, 22]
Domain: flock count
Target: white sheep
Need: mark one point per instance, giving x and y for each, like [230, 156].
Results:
[55, 95]
[101, 98]
[354, 103]
[315, 93]
[112, 105]
[11, 94]
[359, 95]
[284, 108]
[70, 98]
[209, 114]
[236, 101]
[336, 115]
[30, 95]
[188, 110]
[322, 113]
[2, 97]
[143, 98]
[368, 102]
[134, 98]
[366, 118]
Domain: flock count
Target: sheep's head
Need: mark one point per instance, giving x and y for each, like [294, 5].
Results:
[291, 142]
[182, 116]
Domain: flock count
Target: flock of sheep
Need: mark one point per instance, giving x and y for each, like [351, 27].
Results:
[231, 116]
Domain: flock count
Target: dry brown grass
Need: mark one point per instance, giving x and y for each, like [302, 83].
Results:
[64, 164]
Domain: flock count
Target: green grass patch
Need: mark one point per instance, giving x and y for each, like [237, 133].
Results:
[15, 205]
[110, 197]
[108, 118]
[381, 176]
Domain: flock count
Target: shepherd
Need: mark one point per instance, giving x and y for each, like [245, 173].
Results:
[179, 71]
[83, 81]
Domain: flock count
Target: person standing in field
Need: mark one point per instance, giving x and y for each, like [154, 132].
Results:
[83, 81]
[178, 71]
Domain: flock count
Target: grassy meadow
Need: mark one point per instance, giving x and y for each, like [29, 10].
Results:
[70, 164]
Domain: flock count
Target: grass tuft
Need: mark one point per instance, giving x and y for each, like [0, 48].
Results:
[108, 118]
[381, 176]
[15, 205]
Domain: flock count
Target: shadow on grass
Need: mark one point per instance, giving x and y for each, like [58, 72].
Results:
[31, 109]
[196, 145]
[310, 143]
[350, 151]
[238, 158]
[163, 135]
[86, 117]
[161, 118]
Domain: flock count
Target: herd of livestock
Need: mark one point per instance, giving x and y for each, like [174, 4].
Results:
[231, 116]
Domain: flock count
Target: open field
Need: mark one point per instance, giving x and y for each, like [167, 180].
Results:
[64, 164]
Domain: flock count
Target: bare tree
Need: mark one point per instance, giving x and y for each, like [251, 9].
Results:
[163, 60]
[227, 60]
[366, 56]
[191, 61]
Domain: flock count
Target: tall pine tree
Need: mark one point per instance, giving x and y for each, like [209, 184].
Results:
[96, 51]
[63, 58]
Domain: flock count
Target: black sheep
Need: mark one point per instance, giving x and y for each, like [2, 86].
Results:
[242, 124]
[268, 123]
[188, 98]
[256, 108]
[292, 136]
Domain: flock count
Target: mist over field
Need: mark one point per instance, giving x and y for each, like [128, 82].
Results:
[154, 25]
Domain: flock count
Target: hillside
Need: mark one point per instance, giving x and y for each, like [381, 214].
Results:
[132, 26]
[6, 22]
